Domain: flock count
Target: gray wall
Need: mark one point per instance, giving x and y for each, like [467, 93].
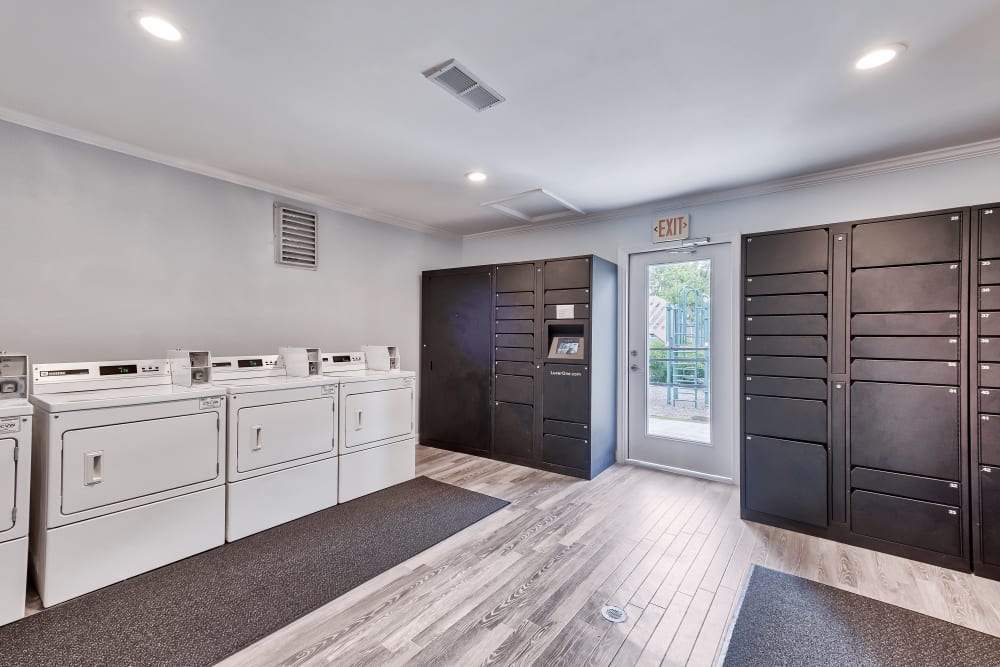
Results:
[106, 256]
[958, 183]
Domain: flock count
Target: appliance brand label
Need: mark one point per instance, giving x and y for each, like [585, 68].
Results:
[572, 374]
[10, 425]
[408, 382]
[210, 403]
[328, 389]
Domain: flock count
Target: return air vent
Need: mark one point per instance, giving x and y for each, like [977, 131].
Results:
[295, 237]
[534, 206]
[463, 84]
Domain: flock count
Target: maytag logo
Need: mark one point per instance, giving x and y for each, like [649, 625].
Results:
[210, 403]
[10, 425]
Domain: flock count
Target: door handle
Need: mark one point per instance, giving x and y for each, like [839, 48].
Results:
[93, 468]
[359, 420]
[634, 367]
[256, 444]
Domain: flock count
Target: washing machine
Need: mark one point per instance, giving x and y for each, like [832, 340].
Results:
[282, 438]
[377, 425]
[127, 469]
[15, 471]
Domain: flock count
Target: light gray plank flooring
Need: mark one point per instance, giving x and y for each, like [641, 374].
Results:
[525, 585]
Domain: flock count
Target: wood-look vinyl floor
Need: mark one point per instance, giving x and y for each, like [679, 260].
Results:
[526, 585]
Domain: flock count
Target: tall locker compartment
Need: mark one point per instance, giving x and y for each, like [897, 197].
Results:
[908, 461]
[455, 359]
[985, 403]
[785, 365]
[515, 383]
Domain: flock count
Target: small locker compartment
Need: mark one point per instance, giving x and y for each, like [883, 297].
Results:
[566, 389]
[515, 340]
[989, 401]
[103, 465]
[797, 283]
[915, 523]
[567, 274]
[989, 514]
[515, 326]
[762, 385]
[516, 278]
[515, 298]
[515, 389]
[989, 375]
[514, 354]
[910, 486]
[786, 479]
[786, 418]
[910, 347]
[787, 252]
[989, 439]
[377, 415]
[906, 289]
[989, 272]
[786, 346]
[785, 325]
[515, 368]
[557, 296]
[567, 311]
[906, 428]
[989, 297]
[512, 429]
[272, 434]
[8, 484]
[803, 367]
[515, 312]
[906, 324]
[568, 429]
[907, 372]
[786, 304]
[989, 324]
[989, 233]
[923, 240]
[989, 350]
[563, 451]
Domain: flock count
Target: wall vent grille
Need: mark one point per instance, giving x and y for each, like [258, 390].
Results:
[463, 84]
[295, 237]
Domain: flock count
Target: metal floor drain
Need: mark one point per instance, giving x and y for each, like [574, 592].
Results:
[614, 614]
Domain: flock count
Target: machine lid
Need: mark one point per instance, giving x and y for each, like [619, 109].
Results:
[368, 375]
[21, 408]
[123, 396]
[275, 383]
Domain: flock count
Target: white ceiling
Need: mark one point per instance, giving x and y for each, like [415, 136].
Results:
[609, 104]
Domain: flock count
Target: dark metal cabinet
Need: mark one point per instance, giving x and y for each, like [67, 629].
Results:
[906, 289]
[762, 385]
[789, 346]
[787, 304]
[786, 479]
[514, 425]
[918, 240]
[914, 523]
[799, 283]
[988, 509]
[786, 252]
[785, 325]
[788, 418]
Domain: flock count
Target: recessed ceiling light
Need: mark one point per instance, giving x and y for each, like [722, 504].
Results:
[161, 28]
[880, 56]
[476, 176]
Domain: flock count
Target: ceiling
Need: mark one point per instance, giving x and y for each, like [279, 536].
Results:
[609, 104]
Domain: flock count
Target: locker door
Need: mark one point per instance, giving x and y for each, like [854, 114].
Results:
[923, 240]
[789, 418]
[787, 479]
[512, 434]
[8, 479]
[902, 289]
[787, 252]
[989, 513]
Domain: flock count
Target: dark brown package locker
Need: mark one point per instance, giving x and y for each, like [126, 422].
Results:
[908, 419]
[985, 404]
[786, 365]
[455, 359]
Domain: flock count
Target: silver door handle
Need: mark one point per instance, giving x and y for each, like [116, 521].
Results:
[256, 443]
[93, 468]
[359, 420]
[634, 367]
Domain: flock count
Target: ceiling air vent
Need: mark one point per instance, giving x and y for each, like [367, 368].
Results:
[295, 237]
[463, 84]
[534, 206]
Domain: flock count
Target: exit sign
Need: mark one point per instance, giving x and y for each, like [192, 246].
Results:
[674, 228]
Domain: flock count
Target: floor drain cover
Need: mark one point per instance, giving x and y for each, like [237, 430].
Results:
[614, 614]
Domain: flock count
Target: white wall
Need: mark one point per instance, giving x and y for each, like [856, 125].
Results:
[959, 183]
[106, 256]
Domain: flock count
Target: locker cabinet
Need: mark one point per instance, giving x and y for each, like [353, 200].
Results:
[789, 252]
[786, 479]
[915, 523]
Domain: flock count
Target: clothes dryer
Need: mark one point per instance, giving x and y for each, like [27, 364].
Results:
[127, 470]
[15, 472]
[281, 461]
[377, 425]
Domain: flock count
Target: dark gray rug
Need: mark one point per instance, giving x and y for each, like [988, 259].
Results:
[207, 607]
[787, 620]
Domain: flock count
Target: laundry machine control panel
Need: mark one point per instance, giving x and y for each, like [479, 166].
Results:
[94, 375]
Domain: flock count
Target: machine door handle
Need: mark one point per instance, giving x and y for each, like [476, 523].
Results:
[256, 437]
[359, 420]
[93, 468]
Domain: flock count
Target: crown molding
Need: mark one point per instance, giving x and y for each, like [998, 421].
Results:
[101, 141]
[864, 170]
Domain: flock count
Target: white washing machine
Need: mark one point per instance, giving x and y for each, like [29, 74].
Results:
[282, 441]
[15, 471]
[127, 470]
[377, 426]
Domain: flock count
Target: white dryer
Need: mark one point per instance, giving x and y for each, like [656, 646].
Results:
[15, 471]
[127, 470]
[377, 426]
[282, 447]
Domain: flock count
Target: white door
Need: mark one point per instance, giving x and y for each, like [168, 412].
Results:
[272, 434]
[681, 360]
[378, 415]
[8, 483]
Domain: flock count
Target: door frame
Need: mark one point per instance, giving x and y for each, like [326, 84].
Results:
[732, 376]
